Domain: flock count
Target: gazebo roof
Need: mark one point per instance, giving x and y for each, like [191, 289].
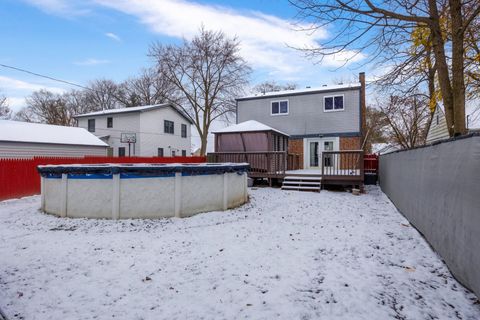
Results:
[249, 126]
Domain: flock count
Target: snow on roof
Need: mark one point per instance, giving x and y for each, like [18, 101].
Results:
[133, 109]
[122, 110]
[383, 148]
[306, 90]
[17, 131]
[250, 125]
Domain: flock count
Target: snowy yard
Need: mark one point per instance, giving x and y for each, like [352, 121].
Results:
[285, 255]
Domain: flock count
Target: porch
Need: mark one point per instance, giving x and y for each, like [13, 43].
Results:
[336, 167]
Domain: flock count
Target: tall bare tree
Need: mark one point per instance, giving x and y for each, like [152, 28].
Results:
[148, 88]
[406, 119]
[208, 72]
[46, 107]
[103, 94]
[5, 112]
[271, 86]
[382, 27]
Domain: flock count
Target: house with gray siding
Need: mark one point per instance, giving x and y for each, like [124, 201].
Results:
[146, 131]
[328, 118]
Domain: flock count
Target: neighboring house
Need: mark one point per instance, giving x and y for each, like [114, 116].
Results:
[317, 119]
[437, 129]
[157, 130]
[27, 140]
[383, 148]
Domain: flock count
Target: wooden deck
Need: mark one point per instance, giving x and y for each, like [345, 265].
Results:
[337, 167]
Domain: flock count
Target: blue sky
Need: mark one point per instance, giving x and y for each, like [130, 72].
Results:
[80, 41]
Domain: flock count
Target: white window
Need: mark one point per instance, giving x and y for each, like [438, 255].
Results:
[279, 107]
[333, 103]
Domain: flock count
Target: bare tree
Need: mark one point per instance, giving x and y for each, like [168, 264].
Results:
[46, 107]
[208, 72]
[382, 27]
[103, 94]
[272, 86]
[148, 88]
[377, 127]
[5, 111]
[406, 119]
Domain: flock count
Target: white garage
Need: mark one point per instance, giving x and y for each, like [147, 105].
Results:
[27, 140]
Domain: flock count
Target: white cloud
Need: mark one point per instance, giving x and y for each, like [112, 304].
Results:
[266, 40]
[16, 103]
[91, 62]
[16, 90]
[60, 7]
[113, 36]
[8, 84]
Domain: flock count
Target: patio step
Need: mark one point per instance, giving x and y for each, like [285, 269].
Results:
[302, 183]
[303, 178]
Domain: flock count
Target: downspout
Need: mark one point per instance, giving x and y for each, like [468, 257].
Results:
[363, 108]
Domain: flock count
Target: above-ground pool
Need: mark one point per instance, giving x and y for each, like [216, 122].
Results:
[126, 191]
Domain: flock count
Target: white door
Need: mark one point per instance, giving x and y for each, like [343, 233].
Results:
[315, 147]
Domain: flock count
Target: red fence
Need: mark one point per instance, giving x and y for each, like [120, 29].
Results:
[370, 162]
[19, 177]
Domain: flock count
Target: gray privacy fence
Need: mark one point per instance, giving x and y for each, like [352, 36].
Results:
[437, 188]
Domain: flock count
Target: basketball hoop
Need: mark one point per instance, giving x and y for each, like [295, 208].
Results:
[128, 137]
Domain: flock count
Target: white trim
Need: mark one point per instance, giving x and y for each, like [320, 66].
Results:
[306, 149]
[280, 113]
[333, 96]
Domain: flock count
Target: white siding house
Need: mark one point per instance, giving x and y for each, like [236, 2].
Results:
[159, 130]
[27, 140]
[438, 129]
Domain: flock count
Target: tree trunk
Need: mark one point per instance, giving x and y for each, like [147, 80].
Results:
[458, 80]
[203, 146]
[442, 66]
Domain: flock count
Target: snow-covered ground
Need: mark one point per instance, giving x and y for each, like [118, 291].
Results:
[284, 255]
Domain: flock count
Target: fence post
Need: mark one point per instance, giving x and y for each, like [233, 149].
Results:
[64, 195]
[177, 195]
[116, 197]
[42, 193]
[225, 191]
[245, 186]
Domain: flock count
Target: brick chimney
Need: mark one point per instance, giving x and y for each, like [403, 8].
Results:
[363, 107]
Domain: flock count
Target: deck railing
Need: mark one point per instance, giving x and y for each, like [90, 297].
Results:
[343, 165]
[262, 164]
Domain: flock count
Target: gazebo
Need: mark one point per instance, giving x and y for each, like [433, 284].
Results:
[263, 147]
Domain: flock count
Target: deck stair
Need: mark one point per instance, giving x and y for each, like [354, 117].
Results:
[302, 183]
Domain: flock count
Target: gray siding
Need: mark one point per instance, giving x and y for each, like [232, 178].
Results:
[436, 188]
[306, 115]
[29, 150]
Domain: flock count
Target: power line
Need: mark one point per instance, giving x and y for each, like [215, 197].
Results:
[45, 76]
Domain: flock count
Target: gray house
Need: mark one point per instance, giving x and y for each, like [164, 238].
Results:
[329, 118]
